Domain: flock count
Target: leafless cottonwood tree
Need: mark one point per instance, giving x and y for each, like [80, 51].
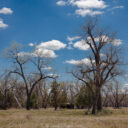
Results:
[72, 92]
[44, 92]
[106, 97]
[4, 89]
[103, 60]
[31, 76]
[17, 91]
[118, 94]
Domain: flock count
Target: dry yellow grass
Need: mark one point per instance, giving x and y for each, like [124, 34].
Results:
[15, 118]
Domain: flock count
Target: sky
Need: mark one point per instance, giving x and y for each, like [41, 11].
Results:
[54, 26]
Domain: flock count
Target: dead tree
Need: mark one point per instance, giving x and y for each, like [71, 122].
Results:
[30, 76]
[44, 93]
[4, 89]
[102, 63]
[17, 90]
[118, 94]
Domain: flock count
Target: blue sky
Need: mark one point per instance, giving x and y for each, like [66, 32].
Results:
[37, 21]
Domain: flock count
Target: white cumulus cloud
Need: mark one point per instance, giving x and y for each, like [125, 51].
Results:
[44, 49]
[117, 42]
[81, 45]
[86, 7]
[2, 24]
[86, 4]
[45, 53]
[51, 45]
[22, 54]
[5, 11]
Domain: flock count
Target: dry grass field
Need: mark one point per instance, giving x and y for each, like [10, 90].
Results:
[110, 118]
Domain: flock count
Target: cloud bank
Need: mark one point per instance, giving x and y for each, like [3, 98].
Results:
[88, 7]
[85, 7]
[44, 49]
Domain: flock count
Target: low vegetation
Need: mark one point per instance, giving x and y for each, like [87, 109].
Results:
[63, 118]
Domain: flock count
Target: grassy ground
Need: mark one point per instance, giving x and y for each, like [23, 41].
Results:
[15, 118]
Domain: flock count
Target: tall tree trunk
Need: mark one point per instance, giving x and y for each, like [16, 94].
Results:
[28, 106]
[95, 100]
[94, 104]
[99, 102]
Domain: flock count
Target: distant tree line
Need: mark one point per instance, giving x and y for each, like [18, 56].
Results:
[53, 94]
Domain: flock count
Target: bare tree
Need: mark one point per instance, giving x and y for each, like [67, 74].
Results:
[44, 92]
[17, 90]
[54, 94]
[72, 93]
[102, 63]
[118, 94]
[106, 97]
[30, 76]
[4, 89]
